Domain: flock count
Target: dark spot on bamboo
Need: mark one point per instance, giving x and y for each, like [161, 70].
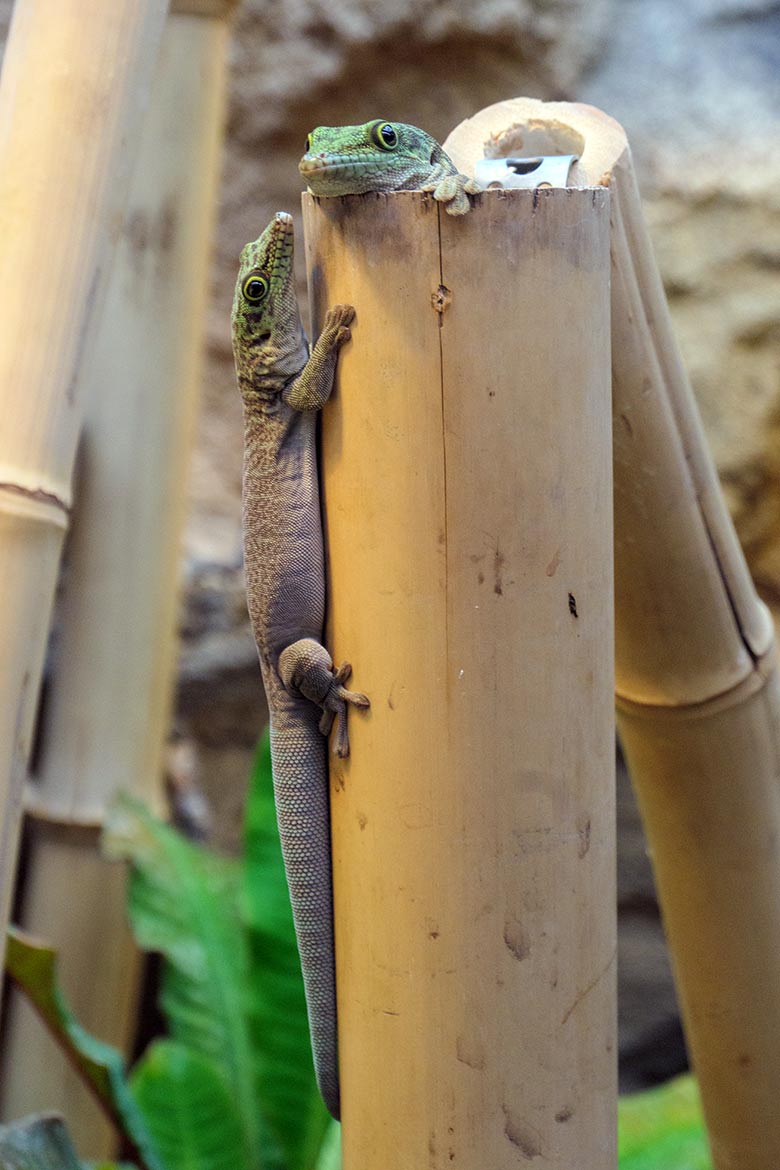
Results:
[516, 939]
[564, 1114]
[524, 1136]
[441, 299]
[166, 236]
[573, 606]
[499, 560]
[464, 1054]
[583, 833]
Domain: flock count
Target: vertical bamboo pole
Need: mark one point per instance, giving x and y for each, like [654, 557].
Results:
[697, 687]
[468, 501]
[71, 97]
[108, 705]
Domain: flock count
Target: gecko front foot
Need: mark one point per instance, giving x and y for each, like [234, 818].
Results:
[306, 669]
[336, 329]
[453, 192]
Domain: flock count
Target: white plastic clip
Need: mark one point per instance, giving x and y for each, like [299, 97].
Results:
[547, 171]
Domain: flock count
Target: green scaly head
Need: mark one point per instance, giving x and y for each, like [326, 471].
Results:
[378, 156]
[268, 338]
[383, 156]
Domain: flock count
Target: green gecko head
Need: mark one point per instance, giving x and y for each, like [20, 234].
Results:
[267, 332]
[379, 156]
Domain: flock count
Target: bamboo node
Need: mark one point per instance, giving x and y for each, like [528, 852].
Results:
[33, 503]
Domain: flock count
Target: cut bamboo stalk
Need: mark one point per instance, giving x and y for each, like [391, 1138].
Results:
[108, 705]
[467, 493]
[697, 689]
[71, 98]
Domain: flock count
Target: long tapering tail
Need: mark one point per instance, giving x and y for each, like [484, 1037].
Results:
[299, 756]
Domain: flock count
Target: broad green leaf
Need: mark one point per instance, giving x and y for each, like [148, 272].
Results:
[33, 967]
[285, 1074]
[663, 1129]
[183, 903]
[188, 1108]
[37, 1143]
[330, 1154]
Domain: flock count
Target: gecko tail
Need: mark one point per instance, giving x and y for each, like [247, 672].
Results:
[300, 770]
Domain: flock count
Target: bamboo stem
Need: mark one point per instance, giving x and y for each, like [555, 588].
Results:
[697, 692]
[107, 712]
[71, 96]
[467, 491]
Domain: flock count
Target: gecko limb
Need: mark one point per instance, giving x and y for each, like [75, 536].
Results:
[311, 389]
[453, 191]
[307, 669]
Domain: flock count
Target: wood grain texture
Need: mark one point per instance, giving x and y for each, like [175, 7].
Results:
[468, 495]
[697, 690]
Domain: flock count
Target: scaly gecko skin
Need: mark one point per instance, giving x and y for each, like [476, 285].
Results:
[383, 156]
[283, 388]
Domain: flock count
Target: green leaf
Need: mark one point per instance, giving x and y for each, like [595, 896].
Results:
[183, 903]
[188, 1108]
[285, 1073]
[288, 1088]
[37, 1143]
[330, 1154]
[663, 1129]
[33, 967]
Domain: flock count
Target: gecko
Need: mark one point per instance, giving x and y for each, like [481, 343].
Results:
[283, 387]
[383, 156]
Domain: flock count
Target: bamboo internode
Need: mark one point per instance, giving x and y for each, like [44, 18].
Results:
[467, 475]
[71, 96]
[697, 692]
[107, 713]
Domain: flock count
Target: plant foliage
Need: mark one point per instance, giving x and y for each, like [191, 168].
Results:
[663, 1129]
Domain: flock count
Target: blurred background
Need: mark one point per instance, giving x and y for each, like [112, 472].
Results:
[696, 84]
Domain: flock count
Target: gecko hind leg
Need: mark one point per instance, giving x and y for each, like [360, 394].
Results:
[306, 669]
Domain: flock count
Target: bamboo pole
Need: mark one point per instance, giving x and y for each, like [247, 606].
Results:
[71, 97]
[697, 687]
[108, 706]
[467, 493]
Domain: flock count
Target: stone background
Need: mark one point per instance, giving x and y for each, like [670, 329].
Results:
[697, 87]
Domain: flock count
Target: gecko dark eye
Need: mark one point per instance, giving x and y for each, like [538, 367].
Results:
[308, 144]
[384, 135]
[255, 289]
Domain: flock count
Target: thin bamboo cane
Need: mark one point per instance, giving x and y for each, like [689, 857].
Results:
[108, 705]
[467, 491]
[71, 97]
[697, 690]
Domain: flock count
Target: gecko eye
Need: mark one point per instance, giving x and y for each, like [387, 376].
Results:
[384, 135]
[255, 289]
[308, 144]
